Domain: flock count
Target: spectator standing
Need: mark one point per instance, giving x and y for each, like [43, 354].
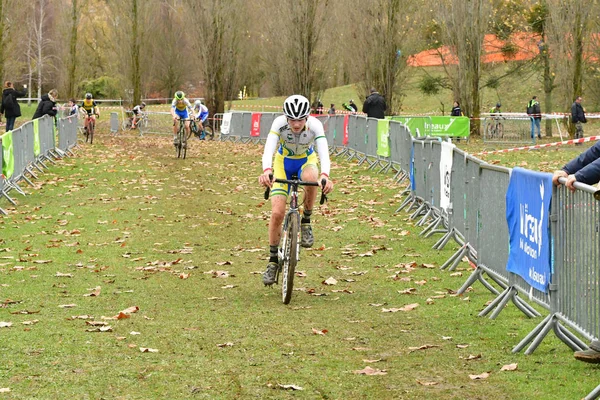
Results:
[47, 105]
[73, 107]
[375, 106]
[578, 117]
[456, 111]
[353, 105]
[535, 114]
[319, 108]
[10, 106]
[331, 109]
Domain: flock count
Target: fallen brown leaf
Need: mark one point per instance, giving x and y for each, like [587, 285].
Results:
[370, 371]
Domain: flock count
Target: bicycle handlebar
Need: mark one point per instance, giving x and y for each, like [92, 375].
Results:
[299, 183]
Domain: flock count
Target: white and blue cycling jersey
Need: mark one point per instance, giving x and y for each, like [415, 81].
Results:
[201, 112]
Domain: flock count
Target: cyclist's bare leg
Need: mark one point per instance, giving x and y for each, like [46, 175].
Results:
[309, 173]
[175, 129]
[188, 130]
[278, 203]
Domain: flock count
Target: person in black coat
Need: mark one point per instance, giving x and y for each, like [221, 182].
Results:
[375, 106]
[10, 107]
[47, 105]
[456, 111]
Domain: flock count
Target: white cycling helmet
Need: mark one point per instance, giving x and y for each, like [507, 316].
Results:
[296, 107]
[197, 103]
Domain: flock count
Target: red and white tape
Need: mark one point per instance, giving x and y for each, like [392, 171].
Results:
[540, 146]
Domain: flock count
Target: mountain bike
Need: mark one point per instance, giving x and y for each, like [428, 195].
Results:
[91, 127]
[141, 123]
[289, 251]
[206, 131]
[182, 138]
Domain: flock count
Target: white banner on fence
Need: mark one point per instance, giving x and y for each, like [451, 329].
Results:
[445, 175]
[226, 124]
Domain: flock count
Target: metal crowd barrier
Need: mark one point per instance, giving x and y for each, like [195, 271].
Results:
[503, 129]
[29, 147]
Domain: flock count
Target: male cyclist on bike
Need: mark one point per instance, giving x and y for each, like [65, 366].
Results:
[180, 109]
[294, 136]
[137, 114]
[90, 107]
[201, 113]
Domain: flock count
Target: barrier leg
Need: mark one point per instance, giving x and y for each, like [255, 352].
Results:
[498, 302]
[459, 254]
[5, 194]
[569, 338]
[28, 181]
[426, 216]
[594, 394]
[434, 224]
[406, 202]
[519, 302]
[536, 335]
[14, 185]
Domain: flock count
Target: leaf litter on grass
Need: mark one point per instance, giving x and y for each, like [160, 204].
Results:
[135, 185]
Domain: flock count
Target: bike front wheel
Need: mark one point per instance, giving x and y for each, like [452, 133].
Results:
[290, 257]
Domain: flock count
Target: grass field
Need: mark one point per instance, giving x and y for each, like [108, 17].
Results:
[125, 224]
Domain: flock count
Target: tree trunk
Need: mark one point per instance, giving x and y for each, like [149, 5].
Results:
[136, 75]
[72, 68]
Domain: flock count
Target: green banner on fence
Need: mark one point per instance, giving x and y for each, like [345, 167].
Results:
[449, 126]
[8, 160]
[383, 137]
[418, 125]
[436, 126]
[36, 137]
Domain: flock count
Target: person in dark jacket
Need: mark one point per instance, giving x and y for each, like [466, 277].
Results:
[10, 107]
[585, 168]
[456, 111]
[578, 117]
[47, 105]
[535, 113]
[375, 106]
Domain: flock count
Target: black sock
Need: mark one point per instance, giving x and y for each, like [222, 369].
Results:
[306, 216]
[273, 253]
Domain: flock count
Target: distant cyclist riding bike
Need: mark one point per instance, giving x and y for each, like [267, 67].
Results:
[293, 139]
[199, 127]
[90, 108]
[181, 109]
[137, 114]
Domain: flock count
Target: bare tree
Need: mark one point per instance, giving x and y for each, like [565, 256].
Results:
[539, 19]
[295, 49]
[219, 29]
[136, 76]
[383, 46]
[464, 25]
[72, 63]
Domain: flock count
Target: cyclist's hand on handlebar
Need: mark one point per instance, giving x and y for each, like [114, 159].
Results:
[266, 179]
[328, 188]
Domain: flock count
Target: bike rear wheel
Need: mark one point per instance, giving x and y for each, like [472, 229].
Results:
[290, 257]
[209, 133]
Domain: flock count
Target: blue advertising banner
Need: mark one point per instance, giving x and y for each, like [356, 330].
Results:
[527, 214]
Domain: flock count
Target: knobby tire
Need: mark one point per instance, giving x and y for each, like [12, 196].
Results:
[179, 147]
[290, 259]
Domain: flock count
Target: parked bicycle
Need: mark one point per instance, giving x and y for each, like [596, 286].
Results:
[182, 138]
[289, 251]
[90, 127]
[495, 128]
